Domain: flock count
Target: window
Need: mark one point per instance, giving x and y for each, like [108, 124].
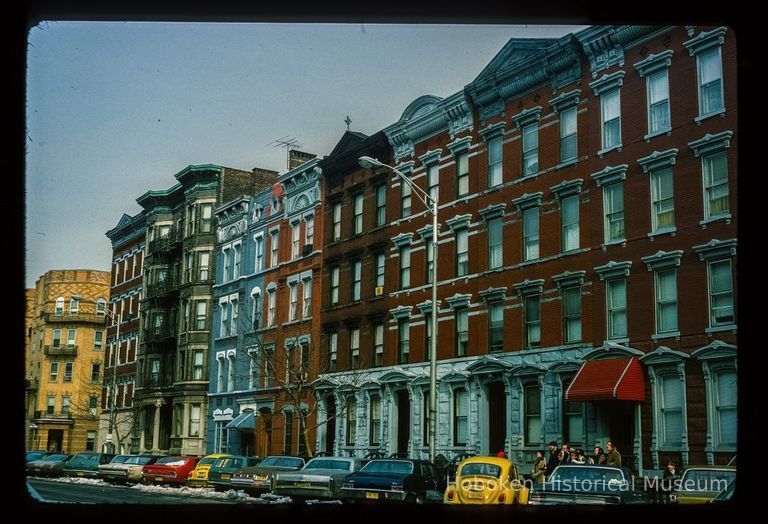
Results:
[274, 238]
[356, 279]
[531, 233]
[253, 372]
[671, 407]
[725, 407]
[351, 421]
[98, 340]
[188, 264]
[59, 306]
[611, 117]
[354, 348]
[530, 149]
[462, 331]
[428, 335]
[375, 417]
[380, 261]
[66, 401]
[206, 222]
[51, 406]
[532, 394]
[569, 208]
[101, 306]
[93, 405]
[295, 236]
[405, 267]
[205, 257]
[269, 366]
[306, 286]
[71, 337]
[204, 261]
[710, 82]
[231, 373]
[429, 253]
[666, 301]
[178, 418]
[271, 307]
[617, 308]
[74, 305]
[194, 420]
[358, 218]
[658, 101]
[381, 205]
[302, 443]
[378, 345]
[532, 321]
[405, 199]
[462, 174]
[309, 232]
[68, 367]
[224, 326]
[234, 313]
[425, 419]
[715, 168]
[303, 360]
[154, 372]
[613, 199]
[197, 365]
[95, 371]
[721, 311]
[568, 144]
[460, 411]
[54, 374]
[259, 253]
[56, 338]
[404, 336]
[294, 301]
[572, 314]
[495, 327]
[336, 221]
[495, 243]
[494, 162]
[200, 308]
[333, 341]
[462, 252]
[433, 181]
[662, 200]
[334, 285]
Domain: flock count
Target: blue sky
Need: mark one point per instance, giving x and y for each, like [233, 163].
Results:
[117, 108]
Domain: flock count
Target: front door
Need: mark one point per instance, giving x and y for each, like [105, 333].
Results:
[403, 422]
[55, 440]
[497, 417]
[330, 426]
[618, 422]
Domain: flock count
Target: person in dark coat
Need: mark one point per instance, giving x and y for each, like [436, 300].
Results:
[613, 457]
[598, 457]
[539, 469]
[554, 458]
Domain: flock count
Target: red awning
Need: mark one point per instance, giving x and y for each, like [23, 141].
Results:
[612, 379]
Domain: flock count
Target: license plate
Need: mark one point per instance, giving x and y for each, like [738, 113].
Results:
[225, 476]
[80, 473]
[159, 479]
[475, 494]
[370, 495]
[302, 484]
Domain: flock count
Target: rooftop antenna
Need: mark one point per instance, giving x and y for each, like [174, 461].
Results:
[287, 142]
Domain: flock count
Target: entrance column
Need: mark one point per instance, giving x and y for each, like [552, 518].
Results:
[156, 428]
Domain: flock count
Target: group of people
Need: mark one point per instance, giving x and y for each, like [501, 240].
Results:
[544, 466]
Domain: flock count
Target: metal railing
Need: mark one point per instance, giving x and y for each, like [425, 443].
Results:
[90, 318]
[61, 351]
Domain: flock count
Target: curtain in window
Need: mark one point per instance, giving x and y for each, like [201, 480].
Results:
[672, 409]
[658, 101]
[726, 407]
[667, 301]
[663, 199]
[617, 306]
[721, 290]
[611, 119]
[570, 219]
[710, 77]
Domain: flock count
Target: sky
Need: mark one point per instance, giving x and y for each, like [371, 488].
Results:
[115, 109]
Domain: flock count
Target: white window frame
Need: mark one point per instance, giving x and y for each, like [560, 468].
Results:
[604, 98]
[712, 322]
[664, 302]
[462, 174]
[336, 221]
[529, 139]
[531, 238]
[274, 246]
[462, 257]
[609, 212]
[495, 248]
[295, 240]
[570, 226]
[357, 202]
[565, 136]
[357, 279]
[708, 160]
[612, 309]
[662, 102]
[699, 57]
[495, 162]
[405, 270]
[271, 307]
[657, 201]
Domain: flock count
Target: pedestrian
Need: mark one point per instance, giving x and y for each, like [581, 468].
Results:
[565, 454]
[670, 479]
[554, 459]
[613, 457]
[598, 457]
[577, 457]
[539, 468]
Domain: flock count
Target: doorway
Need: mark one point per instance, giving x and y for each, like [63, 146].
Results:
[330, 424]
[497, 417]
[264, 433]
[617, 420]
[55, 440]
[403, 422]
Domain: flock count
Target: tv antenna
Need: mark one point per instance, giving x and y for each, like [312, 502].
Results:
[287, 142]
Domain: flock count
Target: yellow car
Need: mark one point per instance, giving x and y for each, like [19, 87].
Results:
[198, 478]
[486, 480]
[701, 484]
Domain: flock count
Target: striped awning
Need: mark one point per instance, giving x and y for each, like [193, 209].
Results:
[243, 421]
[610, 379]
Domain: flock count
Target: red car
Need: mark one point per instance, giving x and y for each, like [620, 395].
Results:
[169, 470]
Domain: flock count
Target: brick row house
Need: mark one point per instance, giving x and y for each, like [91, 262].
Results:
[587, 198]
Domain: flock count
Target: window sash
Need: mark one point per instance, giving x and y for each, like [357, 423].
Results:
[658, 101]
[462, 332]
[614, 212]
[572, 314]
[710, 82]
[495, 244]
[380, 261]
[568, 136]
[405, 200]
[460, 411]
[332, 351]
[462, 252]
[531, 234]
[617, 308]
[494, 162]
[530, 149]
[666, 301]
[663, 199]
[726, 407]
[404, 337]
[462, 175]
[433, 181]
[381, 205]
[532, 415]
[716, 184]
[356, 279]
[358, 214]
[496, 327]
[405, 267]
[532, 321]
[351, 422]
[336, 221]
[611, 116]
[721, 301]
[271, 308]
[570, 222]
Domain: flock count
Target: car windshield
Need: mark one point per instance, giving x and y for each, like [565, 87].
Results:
[388, 466]
[54, 458]
[172, 461]
[480, 468]
[230, 462]
[706, 479]
[586, 477]
[119, 459]
[282, 462]
[323, 463]
[85, 458]
[33, 455]
[139, 459]
[208, 461]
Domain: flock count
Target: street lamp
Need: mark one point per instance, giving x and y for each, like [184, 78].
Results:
[431, 204]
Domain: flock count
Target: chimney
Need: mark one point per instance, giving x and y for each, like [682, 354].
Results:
[296, 158]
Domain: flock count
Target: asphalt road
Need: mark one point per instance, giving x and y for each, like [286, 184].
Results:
[53, 491]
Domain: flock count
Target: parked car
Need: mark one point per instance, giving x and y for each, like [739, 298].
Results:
[589, 484]
[258, 479]
[320, 478]
[48, 466]
[220, 474]
[34, 455]
[486, 480]
[700, 484]
[169, 470]
[198, 478]
[394, 480]
[86, 464]
[727, 494]
[125, 471]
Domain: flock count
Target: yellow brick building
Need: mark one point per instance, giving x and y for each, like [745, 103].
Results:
[68, 337]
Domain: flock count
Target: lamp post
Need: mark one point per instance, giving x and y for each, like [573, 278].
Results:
[431, 204]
